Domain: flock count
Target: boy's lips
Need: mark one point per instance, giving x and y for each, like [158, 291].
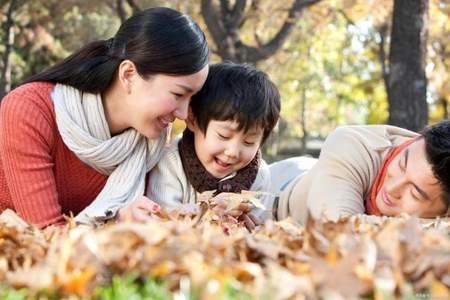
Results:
[223, 165]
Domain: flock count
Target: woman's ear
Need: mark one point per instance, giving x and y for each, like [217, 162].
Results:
[191, 124]
[127, 72]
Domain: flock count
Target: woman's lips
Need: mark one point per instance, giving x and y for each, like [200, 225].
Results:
[163, 123]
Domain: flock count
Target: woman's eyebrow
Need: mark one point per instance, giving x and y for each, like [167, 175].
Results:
[186, 88]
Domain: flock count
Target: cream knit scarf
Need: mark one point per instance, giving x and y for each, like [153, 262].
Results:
[126, 157]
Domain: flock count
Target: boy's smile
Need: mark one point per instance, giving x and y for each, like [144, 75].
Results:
[224, 149]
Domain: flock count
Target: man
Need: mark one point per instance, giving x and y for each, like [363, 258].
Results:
[374, 169]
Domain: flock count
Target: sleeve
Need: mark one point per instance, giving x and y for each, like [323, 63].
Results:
[340, 178]
[26, 141]
[263, 184]
[165, 182]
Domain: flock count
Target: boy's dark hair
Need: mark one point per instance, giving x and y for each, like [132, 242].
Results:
[237, 92]
[437, 148]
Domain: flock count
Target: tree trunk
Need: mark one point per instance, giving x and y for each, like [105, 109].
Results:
[444, 104]
[304, 140]
[407, 87]
[8, 26]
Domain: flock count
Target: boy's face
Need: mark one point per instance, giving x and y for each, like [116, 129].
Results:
[224, 149]
[410, 186]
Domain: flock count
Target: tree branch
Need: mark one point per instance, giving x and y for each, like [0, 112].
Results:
[237, 15]
[121, 10]
[214, 22]
[256, 54]
[133, 6]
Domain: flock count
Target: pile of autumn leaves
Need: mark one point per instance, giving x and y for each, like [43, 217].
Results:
[369, 257]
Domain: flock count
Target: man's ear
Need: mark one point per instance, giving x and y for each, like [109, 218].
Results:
[127, 72]
[191, 124]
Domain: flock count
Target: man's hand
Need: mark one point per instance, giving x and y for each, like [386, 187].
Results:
[140, 210]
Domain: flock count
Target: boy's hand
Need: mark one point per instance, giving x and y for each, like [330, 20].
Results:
[250, 221]
[241, 213]
[140, 210]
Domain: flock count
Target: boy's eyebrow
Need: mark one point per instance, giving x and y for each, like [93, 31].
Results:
[186, 88]
[255, 133]
[228, 127]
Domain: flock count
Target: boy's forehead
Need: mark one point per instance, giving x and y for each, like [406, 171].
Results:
[234, 126]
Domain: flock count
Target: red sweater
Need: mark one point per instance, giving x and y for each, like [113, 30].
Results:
[40, 178]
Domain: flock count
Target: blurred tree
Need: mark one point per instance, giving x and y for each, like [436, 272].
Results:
[11, 8]
[225, 22]
[407, 83]
[438, 71]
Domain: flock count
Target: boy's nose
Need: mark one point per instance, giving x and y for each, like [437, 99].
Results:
[232, 151]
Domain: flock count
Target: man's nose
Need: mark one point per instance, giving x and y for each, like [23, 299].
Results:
[395, 186]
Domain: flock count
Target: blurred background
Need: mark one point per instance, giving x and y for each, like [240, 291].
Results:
[335, 61]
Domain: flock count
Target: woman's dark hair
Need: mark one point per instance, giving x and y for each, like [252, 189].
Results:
[437, 149]
[237, 92]
[157, 40]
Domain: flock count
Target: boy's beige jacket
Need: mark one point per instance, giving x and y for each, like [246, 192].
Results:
[338, 184]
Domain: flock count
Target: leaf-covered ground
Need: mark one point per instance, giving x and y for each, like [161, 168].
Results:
[203, 253]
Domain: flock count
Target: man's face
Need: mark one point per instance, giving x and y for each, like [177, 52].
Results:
[410, 186]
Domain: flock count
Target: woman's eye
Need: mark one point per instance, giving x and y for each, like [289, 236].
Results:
[249, 143]
[177, 95]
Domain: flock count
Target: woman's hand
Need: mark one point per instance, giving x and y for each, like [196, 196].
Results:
[140, 210]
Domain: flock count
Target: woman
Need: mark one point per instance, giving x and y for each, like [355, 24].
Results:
[376, 169]
[80, 137]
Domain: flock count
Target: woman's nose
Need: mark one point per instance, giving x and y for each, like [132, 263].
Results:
[181, 111]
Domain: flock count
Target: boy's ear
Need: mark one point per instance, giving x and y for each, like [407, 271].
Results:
[190, 121]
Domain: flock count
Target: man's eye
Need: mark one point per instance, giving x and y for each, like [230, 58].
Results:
[417, 198]
[402, 164]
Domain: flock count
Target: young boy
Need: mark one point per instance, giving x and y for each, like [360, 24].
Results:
[229, 120]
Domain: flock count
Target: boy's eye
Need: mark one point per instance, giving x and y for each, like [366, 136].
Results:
[223, 137]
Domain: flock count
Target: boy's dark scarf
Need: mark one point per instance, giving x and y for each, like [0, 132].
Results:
[202, 180]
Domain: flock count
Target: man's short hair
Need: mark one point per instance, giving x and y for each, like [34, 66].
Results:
[437, 148]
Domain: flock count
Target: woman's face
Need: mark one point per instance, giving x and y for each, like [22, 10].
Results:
[155, 102]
